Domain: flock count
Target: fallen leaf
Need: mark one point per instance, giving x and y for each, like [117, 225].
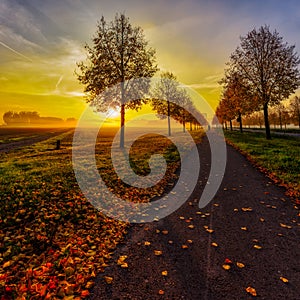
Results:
[147, 243]
[257, 247]
[165, 232]
[244, 228]
[240, 265]
[261, 219]
[190, 241]
[246, 209]
[228, 261]
[214, 244]
[161, 292]
[108, 279]
[184, 246]
[191, 226]
[285, 280]
[210, 230]
[251, 291]
[226, 267]
[181, 218]
[164, 273]
[285, 226]
[157, 252]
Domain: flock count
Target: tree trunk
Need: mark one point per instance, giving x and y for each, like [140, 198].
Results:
[267, 125]
[183, 125]
[240, 121]
[280, 120]
[122, 138]
[169, 120]
[230, 122]
[191, 126]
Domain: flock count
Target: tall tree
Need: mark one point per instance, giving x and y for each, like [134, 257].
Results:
[269, 67]
[119, 54]
[165, 95]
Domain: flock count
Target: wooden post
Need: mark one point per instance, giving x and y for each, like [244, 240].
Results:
[57, 145]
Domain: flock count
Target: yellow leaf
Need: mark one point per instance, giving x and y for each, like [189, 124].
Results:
[7, 264]
[147, 243]
[198, 212]
[240, 265]
[108, 279]
[191, 226]
[285, 226]
[251, 291]
[261, 219]
[284, 279]
[244, 228]
[161, 292]
[235, 209]
[214, 244]
[124, 265]
[190, 241]
[170, 242]
[165, 232]
[210, 230]
[184, 246]
[157, 252]
[257, 247]
[226, 267]
[164, 273]
[121, 259]
[181, 218]
[246, 209]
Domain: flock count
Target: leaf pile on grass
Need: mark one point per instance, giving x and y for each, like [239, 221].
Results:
[279, 158]
[53, 242]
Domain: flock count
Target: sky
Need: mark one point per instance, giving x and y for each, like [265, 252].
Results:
[41, 42]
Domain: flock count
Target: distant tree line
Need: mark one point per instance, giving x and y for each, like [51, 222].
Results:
[32, 118]
[280, 116]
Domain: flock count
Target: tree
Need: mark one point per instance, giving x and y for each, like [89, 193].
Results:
[165, 95]
[294, 108]
[237, 99]
[119, 54]
[268, 66]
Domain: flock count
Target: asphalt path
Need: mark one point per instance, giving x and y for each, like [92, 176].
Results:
[255, 231]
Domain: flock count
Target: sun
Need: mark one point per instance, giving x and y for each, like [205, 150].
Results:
[113, 113]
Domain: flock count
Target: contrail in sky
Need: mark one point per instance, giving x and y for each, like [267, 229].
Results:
[16, 52]
[59, 81]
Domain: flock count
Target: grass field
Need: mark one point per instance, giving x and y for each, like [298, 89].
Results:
[13, 134]
[53, 242]
[280, 156]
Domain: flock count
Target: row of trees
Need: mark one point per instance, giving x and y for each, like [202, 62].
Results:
[262, 72]
[119, 55]
[31, 118]
[280, 116]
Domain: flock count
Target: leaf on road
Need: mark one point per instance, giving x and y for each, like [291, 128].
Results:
[108, 279]
[257, 247]
[157, 252]
[161, 292]
[285, 226]
[285, 280]
[226, 267]
[184, 246]
[147, 243]
[246, 209]
[244, 228]
[209, 230]
[164, 273]
[191, 226]
[240, 265]
[251, 291]
[214, 244]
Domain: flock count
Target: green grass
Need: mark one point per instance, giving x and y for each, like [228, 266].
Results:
[280, 156]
